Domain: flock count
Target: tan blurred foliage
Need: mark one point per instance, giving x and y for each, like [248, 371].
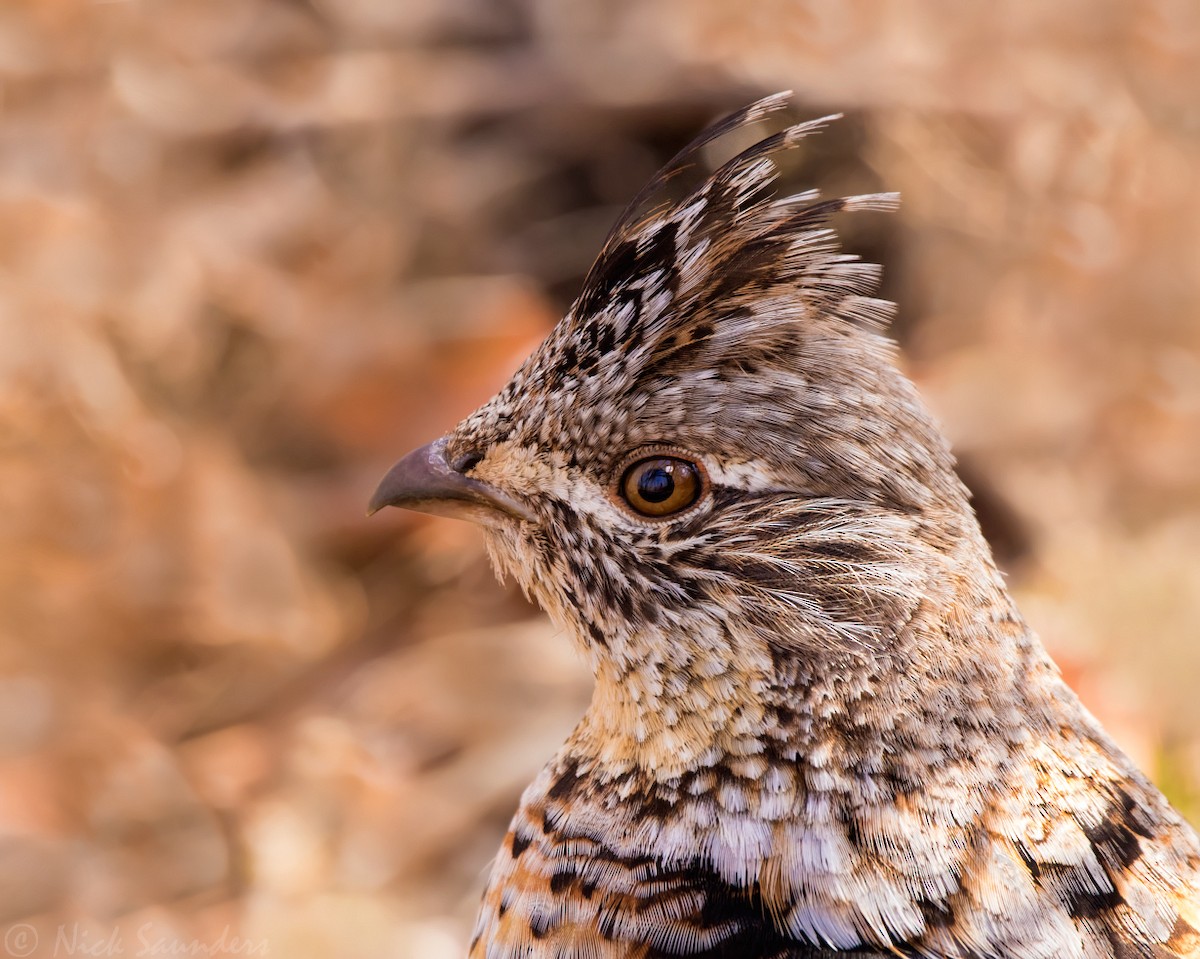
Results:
[253, 250]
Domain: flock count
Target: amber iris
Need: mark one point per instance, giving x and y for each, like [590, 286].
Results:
[661, 485]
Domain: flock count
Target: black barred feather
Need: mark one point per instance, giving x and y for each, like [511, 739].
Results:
[821, 727]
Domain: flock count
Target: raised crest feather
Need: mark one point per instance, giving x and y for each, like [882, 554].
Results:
[670, 269]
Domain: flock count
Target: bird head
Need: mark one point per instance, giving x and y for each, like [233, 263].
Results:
[714, 449]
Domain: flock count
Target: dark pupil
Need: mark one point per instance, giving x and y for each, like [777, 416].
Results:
[656, 485]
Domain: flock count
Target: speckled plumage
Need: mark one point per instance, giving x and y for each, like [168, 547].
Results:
[820, 726]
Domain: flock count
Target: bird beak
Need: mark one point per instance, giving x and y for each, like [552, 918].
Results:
[425, 482]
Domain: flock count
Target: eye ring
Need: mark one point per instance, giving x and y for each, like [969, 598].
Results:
[658, 484]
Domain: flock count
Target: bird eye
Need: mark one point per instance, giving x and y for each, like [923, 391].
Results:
[661, 485]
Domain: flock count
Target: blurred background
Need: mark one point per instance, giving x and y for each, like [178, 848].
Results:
[251, 251]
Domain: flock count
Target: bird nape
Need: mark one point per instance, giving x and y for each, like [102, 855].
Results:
[820, 725]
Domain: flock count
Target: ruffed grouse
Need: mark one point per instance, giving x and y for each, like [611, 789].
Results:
[820, 726]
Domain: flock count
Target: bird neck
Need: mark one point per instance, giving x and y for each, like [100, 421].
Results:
[958, 685]
[685, 706]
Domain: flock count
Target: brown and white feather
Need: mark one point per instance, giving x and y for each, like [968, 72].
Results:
[820, 726]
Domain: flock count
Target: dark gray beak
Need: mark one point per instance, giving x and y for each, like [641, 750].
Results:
[425, 482]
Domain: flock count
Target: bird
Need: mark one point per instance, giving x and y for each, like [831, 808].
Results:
[820, 726]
